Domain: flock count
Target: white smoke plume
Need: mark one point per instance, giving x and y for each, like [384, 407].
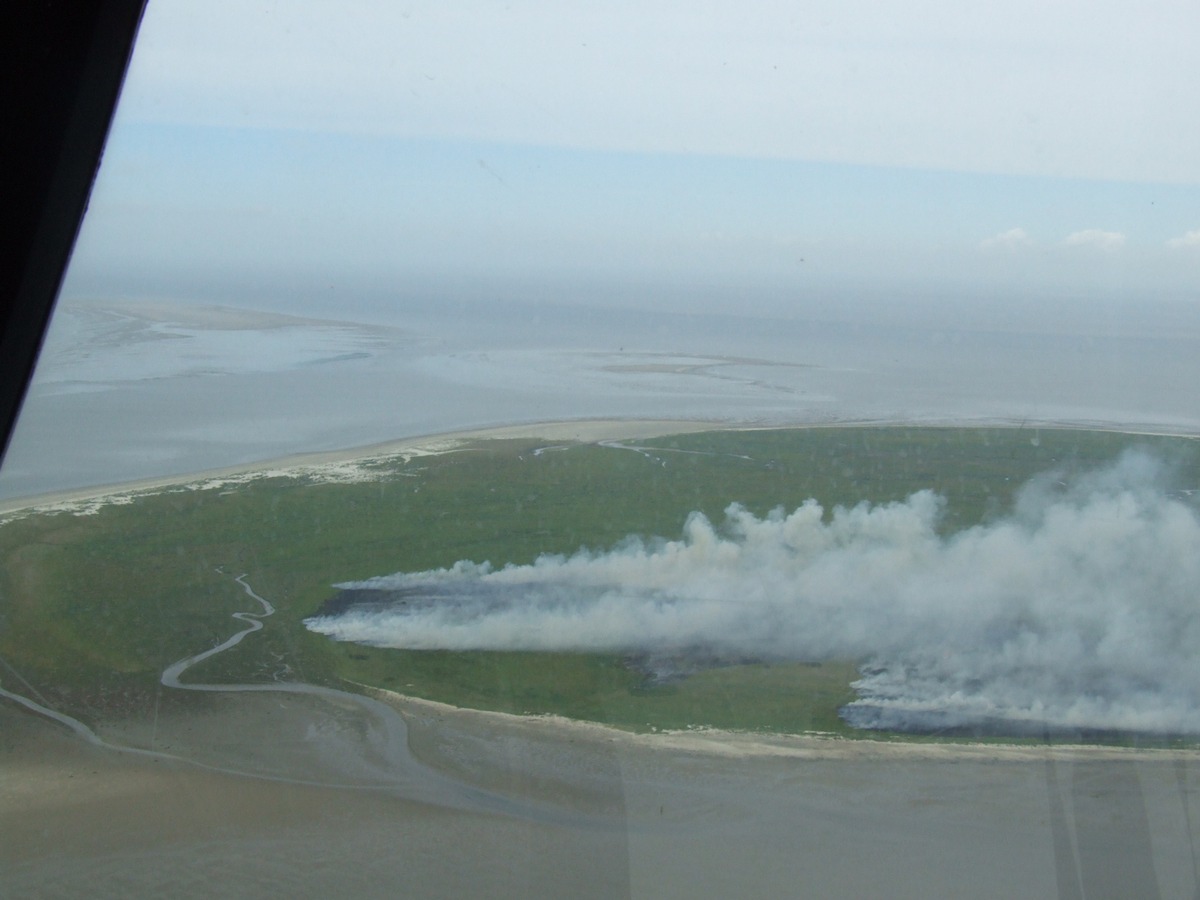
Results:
[1079, 609]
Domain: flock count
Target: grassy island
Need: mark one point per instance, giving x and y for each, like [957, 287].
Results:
[93, 607]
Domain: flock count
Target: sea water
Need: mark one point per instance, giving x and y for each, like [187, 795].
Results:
[127, 390]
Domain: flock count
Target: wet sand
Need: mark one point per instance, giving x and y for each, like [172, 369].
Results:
[612, 814]
[78, 821]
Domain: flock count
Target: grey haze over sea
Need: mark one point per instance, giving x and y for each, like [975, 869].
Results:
[131, 389]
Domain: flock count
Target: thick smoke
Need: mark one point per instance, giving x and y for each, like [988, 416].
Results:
[1077, 610]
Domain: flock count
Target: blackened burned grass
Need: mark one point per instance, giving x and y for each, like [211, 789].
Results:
[92, 608]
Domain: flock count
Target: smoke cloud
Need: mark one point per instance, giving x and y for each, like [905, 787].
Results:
[1076, 610]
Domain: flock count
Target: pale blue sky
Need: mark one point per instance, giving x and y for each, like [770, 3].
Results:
[790, 148]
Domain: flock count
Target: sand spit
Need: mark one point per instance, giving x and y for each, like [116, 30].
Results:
[215, 317]
[346, 466]
[357, 464]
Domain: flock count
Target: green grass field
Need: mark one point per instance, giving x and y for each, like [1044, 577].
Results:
[93, 607]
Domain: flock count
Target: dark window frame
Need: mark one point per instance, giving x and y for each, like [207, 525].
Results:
[64, 62]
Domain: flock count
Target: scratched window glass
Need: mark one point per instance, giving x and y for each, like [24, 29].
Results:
[625, 450]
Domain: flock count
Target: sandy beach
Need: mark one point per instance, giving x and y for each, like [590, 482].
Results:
[345, 464]
[272, 794]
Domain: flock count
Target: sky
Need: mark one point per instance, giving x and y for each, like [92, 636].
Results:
[769, 152]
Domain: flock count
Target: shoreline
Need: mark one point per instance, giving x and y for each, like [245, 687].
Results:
[715, 742]
[316, 462]
[334, 464]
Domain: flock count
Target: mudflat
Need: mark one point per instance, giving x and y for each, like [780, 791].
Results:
[547, 807]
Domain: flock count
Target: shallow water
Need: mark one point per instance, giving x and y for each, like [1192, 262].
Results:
[127, 391]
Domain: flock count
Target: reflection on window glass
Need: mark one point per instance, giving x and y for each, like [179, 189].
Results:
[624, 451]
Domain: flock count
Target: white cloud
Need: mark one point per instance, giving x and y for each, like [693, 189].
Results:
[1191, 239]
[1095, 237]
[1011, 239]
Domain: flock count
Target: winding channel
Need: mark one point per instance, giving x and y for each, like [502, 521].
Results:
[170, 675]
[385, 754]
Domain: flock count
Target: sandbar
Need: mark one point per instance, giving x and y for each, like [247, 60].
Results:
[345, 463]
[328, 464]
